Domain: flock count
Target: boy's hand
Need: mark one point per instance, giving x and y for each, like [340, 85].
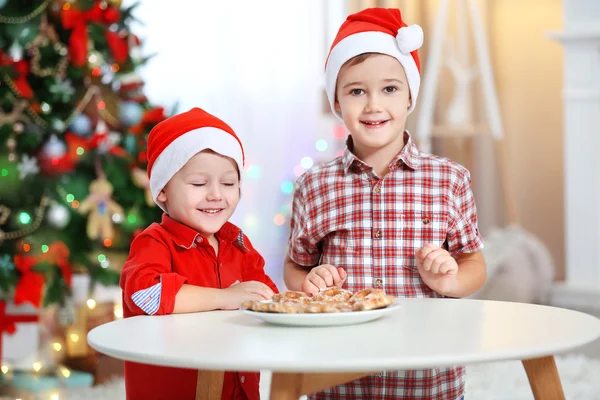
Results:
[322, 277]
[238, 292]
[437, 268]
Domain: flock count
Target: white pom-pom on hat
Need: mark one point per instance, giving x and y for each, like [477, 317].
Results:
[409, 38]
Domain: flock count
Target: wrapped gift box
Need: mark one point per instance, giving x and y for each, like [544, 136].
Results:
[20, 335]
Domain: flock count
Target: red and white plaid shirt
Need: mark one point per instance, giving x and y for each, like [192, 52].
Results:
[345, 215]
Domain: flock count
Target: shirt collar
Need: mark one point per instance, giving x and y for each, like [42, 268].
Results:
[409, 155]
[186, 237]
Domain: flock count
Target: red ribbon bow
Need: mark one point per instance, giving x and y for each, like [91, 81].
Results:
[21, 82]
[78, 20]
[22, 70]
[74, 142]
[30, 286]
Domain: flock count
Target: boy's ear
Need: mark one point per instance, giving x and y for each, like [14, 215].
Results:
[162, 196]
[337, 106]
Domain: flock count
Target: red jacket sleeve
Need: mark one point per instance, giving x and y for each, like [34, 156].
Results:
[254, 268]
[147, 279]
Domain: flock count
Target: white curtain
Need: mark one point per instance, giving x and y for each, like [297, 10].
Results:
[258, 65]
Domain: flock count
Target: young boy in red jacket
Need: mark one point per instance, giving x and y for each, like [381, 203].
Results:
[194, 259]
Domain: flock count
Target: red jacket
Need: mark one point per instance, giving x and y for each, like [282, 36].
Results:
[161, 259]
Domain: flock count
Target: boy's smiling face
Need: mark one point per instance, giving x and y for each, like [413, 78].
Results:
[373, 98]
[204, 193]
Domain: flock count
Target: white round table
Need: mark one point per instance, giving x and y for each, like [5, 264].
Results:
[421, 333]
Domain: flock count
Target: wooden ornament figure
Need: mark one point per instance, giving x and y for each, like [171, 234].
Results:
[100, 208]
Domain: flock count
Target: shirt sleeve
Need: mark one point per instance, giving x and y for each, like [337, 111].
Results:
[463, 233]
[301, 247]
[254, 267]
[148, 282]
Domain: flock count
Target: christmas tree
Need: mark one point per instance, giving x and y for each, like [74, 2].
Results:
[73, 126]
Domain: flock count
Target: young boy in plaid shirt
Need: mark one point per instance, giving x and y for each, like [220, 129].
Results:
[384, 214]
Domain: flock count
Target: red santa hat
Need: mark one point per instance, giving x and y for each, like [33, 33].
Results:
[172, 142]
[376, 30]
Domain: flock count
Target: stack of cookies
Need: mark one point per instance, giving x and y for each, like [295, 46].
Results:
[331, 300]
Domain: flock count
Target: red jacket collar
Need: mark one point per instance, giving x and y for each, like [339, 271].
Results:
[185, 236]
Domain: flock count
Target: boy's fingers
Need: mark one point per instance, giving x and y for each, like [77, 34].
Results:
[435, 264]
[257, 297]
[430, 247]
[445, 267]
[332, 270]
[422, 253]
[267, 290]
[259, 287]
[264, 285]
[434, 260]
[420, 256]
[325, 275]
[448, 268]
[429, 260]
[445, 263]
[335, 273]
[318, 282]
[265, 294]
[309, 287]
[336, 279]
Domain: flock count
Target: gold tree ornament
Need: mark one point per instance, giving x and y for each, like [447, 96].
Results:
[17, 114]
[4, 214]
[31, 228]
[115, 3]
[141, 180]
[100, 207]
[15, 117]
[48, 37]
[22, 19]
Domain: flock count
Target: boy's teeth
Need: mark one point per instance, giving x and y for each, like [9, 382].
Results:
[211, 211]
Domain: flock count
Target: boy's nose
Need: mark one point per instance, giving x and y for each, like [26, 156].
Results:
[372, 105]
[214, 193]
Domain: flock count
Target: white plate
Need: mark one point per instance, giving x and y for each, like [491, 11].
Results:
[322, 319]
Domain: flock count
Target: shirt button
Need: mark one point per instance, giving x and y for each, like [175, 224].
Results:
[378, 234]
[199, 239]
[377, 190]
[379, 281]
[243, 379]
[426, 221]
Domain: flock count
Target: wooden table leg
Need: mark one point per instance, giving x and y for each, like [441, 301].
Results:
[209, 385]
[290, 386]
[543, 378]
[286, 386]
